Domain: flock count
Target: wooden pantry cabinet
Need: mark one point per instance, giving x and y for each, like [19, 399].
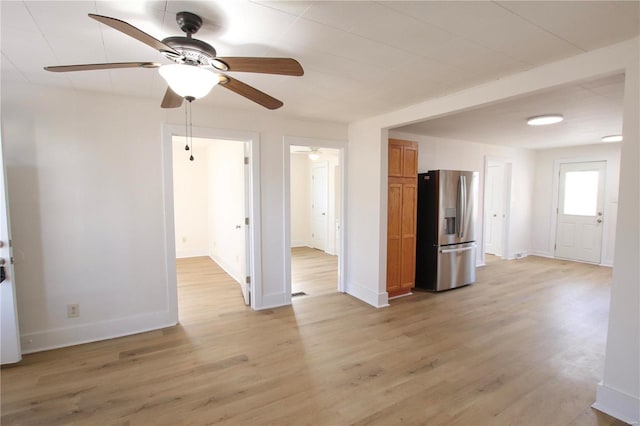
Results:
[401, 216]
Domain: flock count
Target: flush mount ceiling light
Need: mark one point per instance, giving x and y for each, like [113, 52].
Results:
[189, 81]
[612, 138]
[543, 120]
[314, 154]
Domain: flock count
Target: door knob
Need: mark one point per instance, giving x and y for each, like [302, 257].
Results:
[599, 221]
[495, 215]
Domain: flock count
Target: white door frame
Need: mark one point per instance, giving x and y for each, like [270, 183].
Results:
[507, 166]
[10, 348]
[554, 202]
[341, 146]
[252, 139]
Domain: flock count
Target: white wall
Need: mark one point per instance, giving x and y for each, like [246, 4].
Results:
[300, 200]
[85, 185]
[190, 200]
[226, 205]
[543, 235]
[447, 154]
[619, 392]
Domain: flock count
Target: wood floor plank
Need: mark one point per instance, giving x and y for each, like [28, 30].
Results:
[523, 345]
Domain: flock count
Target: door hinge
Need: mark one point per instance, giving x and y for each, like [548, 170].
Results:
[246, 160]
[248, 279]
[246, 220]
[555, 246]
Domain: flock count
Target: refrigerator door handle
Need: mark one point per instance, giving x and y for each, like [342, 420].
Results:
[455, 250]
[458, 206]
[462, 204]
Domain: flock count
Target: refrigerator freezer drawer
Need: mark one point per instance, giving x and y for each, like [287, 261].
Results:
[456, 266]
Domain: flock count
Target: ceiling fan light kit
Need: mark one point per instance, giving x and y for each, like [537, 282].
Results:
[314, 154]
[189, 80]
[197, 68]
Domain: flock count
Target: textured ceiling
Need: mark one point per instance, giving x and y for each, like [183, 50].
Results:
[360, 58]
[591, 109]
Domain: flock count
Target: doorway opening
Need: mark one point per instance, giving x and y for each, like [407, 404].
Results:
[497, 190]
[211, 209]
[314, 206]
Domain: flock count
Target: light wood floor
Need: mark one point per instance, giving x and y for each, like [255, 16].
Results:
[313, 271]
[522, 346]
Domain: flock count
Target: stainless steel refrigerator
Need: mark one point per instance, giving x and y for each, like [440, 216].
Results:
[446, 245]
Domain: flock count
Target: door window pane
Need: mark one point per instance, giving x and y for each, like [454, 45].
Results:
[581, 193]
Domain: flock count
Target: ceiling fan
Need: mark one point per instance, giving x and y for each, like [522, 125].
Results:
[194, 60]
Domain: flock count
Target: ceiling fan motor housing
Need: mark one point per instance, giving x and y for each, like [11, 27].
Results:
[193, 51]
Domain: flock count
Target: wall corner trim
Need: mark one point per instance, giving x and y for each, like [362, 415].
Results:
[617, 404]
[377, 300]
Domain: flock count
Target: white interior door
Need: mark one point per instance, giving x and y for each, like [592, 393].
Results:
[495, 208]
[319, 204]
[10, 351]
[580, 211]
[245, 262]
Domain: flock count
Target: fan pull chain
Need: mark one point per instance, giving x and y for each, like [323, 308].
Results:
[186, 130]
[191, 130]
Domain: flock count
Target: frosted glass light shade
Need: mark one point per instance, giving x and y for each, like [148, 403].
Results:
[188, 80]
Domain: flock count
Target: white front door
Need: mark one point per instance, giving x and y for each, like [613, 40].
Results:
[319, 204]
[495, 208]
[10, 351]
[580, 211]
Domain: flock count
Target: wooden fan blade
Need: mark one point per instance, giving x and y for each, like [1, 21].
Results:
[250, 93]
[108, 66]
[134, 32]
[282, 66]
[171, 99]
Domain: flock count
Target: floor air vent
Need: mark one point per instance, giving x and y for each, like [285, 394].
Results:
[298, 293]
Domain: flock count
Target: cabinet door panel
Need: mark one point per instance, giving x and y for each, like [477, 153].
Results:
[395, 160]
[408, 266]
[394, 236]
[409, 162]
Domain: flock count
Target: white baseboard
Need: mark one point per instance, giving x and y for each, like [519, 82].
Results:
[181, 254]
[300, 243]
[93, 332]
[608, 263]
[230, 270]
[617, 404]
[377, 300]
[542, 254]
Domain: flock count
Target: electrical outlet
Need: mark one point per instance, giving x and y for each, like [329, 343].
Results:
[73, 311]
